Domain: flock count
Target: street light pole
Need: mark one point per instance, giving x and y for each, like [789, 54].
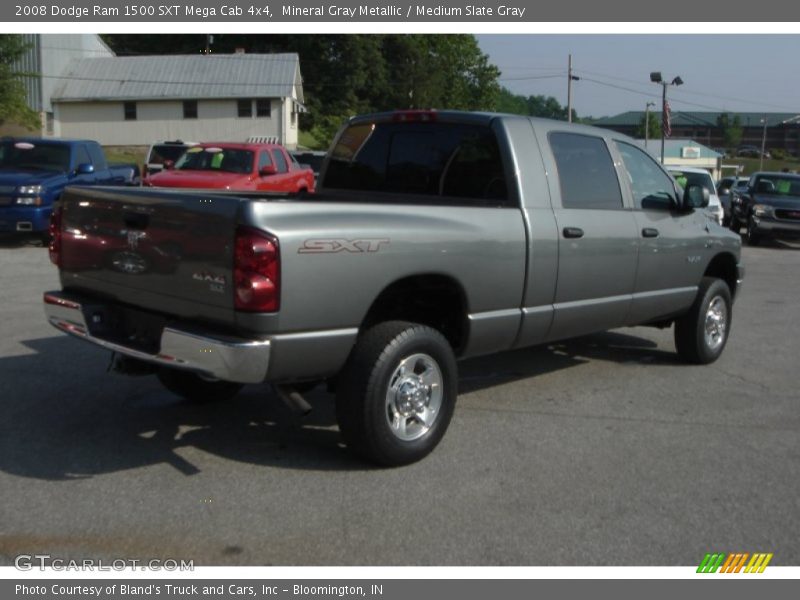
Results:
[655, 77]
[763, 142]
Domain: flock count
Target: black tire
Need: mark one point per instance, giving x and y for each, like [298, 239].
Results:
[194, 388]
[734, 224]
[751, 236]
[364, 406]
[691, 339]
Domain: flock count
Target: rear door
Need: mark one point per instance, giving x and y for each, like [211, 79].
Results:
[597, 249]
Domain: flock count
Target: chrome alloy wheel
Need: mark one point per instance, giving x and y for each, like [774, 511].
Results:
[716, 323]
[414, 397]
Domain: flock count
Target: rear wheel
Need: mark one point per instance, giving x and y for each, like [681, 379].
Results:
[701, 334]
[194, 388]
[397, 393]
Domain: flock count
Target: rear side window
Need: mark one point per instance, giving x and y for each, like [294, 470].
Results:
[585, 172]
[445, 160]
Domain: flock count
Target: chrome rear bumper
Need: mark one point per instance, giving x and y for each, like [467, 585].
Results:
[220, 357]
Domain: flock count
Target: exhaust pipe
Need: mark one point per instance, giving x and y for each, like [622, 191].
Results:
[293, 399]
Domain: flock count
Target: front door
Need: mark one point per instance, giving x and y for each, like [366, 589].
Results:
[672, 241]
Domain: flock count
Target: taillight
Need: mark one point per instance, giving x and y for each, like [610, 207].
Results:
[256, 271]
[55, 236]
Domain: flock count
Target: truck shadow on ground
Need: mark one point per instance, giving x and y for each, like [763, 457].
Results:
[65, 418]
[20, 240]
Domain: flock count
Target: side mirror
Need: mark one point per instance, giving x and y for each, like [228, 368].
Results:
[695, 196]
[85, 169]
[169, 164]
[267, 170]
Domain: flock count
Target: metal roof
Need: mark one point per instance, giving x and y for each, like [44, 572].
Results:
[181, 77]
[633, 118]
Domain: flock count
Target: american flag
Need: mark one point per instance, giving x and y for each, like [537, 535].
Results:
[666, 127]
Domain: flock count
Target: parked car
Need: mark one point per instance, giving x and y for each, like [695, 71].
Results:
[236, 167]
[164, 153]
[436, 236]
[695, 176]
[726, 187]
[310, 158]
[751, 152]
[35, 171]
[769, 207]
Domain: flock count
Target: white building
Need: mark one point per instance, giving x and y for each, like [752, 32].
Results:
[132, 101]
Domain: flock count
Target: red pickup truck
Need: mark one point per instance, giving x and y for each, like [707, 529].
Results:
[232, 166]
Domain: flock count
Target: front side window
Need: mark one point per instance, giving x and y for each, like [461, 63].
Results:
[426, 158]
[585, 172]
[651, 187]
[263, 160]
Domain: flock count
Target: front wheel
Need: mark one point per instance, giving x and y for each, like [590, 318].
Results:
[701, 334]
[752, 236]
[194, 388]
[397, 393]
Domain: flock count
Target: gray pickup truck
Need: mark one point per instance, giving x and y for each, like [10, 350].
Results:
[436, 236]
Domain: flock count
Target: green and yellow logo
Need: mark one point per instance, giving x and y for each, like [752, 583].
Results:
[734, 562]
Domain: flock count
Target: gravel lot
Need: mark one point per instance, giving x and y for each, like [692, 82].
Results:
[604, 450]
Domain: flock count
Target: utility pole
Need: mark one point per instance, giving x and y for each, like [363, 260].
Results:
[647, 122]
[569, 89]
[763, 142]
[570, 79]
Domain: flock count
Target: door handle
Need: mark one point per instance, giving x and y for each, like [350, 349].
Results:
[573, 232]
[650, 232]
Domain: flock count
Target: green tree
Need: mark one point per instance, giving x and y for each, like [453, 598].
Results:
[534, 106]
[731, 130]
[13, 100]
[653, 126]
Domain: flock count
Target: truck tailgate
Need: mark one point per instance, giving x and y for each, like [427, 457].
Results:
[167, 252]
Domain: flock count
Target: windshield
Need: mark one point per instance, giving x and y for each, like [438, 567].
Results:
[778, 185]
[211, 158]
[41, 157]
[685, 179]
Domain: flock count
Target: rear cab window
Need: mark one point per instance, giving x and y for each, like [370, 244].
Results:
[434, 162]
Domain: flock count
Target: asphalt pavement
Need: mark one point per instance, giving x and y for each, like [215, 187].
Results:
[604, 450]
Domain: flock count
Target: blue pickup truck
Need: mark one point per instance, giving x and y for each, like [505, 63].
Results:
[35, 171]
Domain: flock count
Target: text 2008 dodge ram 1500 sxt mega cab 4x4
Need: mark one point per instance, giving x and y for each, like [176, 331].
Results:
[436, 236]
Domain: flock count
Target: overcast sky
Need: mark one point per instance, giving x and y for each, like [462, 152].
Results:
[720, 72]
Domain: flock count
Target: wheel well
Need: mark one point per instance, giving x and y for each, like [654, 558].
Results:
[434, 300]
[723, 266]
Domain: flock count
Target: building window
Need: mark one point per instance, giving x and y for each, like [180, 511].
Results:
[263, 107]
[190, 109]
[244, 108]
[130, 110]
